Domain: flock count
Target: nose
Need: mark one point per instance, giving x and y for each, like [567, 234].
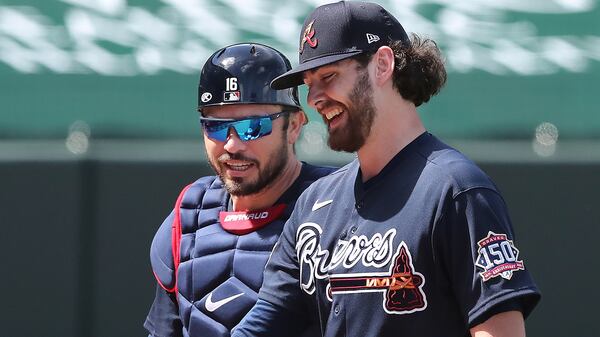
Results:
[315, 97]
[233, 143]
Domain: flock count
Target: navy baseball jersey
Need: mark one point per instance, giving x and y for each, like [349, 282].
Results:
[425, 248]
[215, 280]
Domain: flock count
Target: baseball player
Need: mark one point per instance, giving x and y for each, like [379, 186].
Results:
[209, 254]
[409, 239]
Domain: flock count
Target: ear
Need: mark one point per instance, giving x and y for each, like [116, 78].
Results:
[297, 120]
[383, 62]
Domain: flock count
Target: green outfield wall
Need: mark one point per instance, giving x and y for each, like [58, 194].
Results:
[129, 69]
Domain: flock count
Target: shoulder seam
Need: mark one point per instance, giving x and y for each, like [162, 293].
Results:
[458, 193]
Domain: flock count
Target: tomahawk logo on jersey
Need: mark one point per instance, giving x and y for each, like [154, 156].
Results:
[401, 285]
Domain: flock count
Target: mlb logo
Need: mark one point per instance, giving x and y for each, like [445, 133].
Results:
[231, 96]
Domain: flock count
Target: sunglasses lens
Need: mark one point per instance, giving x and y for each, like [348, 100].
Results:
[250, 129]
[246, 129]
[216, 130]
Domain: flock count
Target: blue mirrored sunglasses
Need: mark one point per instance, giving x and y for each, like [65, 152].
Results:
[250, 128]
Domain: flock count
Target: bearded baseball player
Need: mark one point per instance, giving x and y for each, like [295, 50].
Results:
[209, 254]
[409, 239]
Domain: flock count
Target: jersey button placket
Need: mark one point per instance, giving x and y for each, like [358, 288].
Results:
[336, 309]
[359, 204]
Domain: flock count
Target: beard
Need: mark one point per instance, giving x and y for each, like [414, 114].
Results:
[361, 112]
[239, 186]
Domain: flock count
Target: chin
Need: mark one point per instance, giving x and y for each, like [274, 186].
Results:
[344, 142]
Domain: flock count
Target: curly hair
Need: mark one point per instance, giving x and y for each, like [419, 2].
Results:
[419, 71]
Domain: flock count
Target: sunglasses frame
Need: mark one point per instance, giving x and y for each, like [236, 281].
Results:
[230, 121]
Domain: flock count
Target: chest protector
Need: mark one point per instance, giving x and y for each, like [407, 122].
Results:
[216, 274]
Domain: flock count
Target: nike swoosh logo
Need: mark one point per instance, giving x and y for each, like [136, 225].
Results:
[212, 306]
[318, 204]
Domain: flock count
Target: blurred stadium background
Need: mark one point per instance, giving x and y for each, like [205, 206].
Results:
[98, 132]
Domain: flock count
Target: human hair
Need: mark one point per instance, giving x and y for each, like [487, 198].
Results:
[419, 71]
[286, 121]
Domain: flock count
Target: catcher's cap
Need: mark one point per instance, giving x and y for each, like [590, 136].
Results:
[340, 30]
[241, 73]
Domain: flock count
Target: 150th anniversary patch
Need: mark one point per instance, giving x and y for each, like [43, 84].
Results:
[497, 256]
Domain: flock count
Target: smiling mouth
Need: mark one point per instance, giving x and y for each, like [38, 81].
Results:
[330, 116]
[237, 166]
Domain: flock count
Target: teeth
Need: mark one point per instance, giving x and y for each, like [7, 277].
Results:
[332, 113]
[238, 166]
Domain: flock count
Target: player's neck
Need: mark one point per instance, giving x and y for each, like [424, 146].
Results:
[268, 196]
[394, 127]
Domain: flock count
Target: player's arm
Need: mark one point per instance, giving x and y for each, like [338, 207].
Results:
[473, 241]
[163, 317]
[266, 319]
[280, 309]
[505, 324]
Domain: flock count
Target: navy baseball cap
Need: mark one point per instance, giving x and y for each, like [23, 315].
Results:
[340, 30]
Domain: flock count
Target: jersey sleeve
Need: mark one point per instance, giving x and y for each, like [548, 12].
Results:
[163, 318]
[281, 277]
[266, 319]
[480, 259]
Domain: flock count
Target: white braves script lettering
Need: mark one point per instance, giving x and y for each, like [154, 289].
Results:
[374, 252]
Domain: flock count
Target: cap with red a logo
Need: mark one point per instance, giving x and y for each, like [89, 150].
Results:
[340, 30]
